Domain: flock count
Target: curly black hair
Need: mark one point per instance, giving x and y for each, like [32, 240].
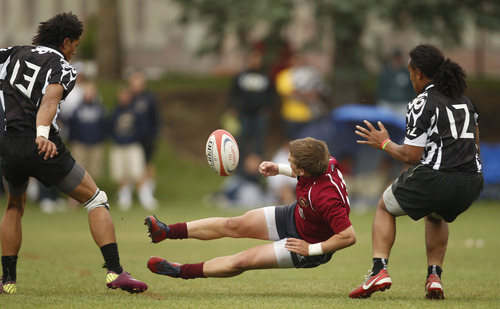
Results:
[448, 76]
[55, 30]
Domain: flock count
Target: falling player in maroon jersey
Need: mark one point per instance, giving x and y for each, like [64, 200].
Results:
[304, 234]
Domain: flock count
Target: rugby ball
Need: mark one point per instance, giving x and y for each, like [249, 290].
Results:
[222, 152]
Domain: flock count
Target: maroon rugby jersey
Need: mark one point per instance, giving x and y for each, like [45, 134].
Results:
[322, 205]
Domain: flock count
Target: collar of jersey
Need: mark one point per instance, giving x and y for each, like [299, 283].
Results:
[54, 49]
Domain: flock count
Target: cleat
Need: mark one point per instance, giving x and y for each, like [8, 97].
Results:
[125, 282]
[161, 266]
[372, 284]
[9, 287]
[434, 288]
[157, 230]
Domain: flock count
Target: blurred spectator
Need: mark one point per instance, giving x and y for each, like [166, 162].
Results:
[301, 88]
[145, 108]
[251, 99]
[395, 89]
[127, 162]
[246, 189]
[87, 131]
[282, 188]
[73, 99]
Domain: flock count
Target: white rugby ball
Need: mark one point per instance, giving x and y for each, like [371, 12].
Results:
[222, 152]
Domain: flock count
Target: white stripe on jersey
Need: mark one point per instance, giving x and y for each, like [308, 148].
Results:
[338, 189]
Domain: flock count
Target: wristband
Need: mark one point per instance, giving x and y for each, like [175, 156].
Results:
[285, 169]
[43, 131]
[384, 143]
[315, 249]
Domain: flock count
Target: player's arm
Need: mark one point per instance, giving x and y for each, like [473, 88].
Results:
[44, 117]
[379, 139]
[477, 140]
[337, 242]
[268, 168]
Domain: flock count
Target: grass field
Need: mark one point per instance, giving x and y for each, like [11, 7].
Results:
[59, 265]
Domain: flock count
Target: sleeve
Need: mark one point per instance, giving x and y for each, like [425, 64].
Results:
[4, 55]
[417, 122]
[64, 74]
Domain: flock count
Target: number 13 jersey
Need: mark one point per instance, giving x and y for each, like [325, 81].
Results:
[446, 128]
[25, 73]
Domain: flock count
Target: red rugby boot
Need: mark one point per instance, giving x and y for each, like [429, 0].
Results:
[378, 282]
[434, 287]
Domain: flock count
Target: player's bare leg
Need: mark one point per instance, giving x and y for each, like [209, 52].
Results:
[252, 224]
[10, 228]
[103, 231]
[436, 242]
[383, 231]
[100, 221]
[259, 257]
[11, 239]
[383, 236]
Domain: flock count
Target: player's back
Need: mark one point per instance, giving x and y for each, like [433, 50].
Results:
[26, 72]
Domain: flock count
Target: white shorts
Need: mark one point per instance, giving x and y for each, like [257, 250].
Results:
[283, 256]
[127, 162]
[391, 203]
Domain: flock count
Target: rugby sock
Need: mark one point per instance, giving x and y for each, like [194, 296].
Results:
[111, 258]
[9, 264]
[378, 265]
[191, 271]
[434, 269]
[178, 231]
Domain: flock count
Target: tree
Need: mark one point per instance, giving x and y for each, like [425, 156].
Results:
[343, 21]
[109, 56]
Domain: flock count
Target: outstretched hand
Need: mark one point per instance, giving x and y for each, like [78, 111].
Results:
[268, 168]
[372, 136]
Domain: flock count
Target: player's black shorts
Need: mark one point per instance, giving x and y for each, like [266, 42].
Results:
[421, 191]
[285, 224]
[20, 160]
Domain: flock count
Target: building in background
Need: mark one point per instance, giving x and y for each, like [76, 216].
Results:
[153, 40]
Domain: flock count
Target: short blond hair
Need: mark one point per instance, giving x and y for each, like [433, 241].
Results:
[311, 155]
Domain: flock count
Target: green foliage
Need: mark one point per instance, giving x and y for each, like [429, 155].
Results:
[238, 17]
[88, 46]
[442, 19]
[344, 20]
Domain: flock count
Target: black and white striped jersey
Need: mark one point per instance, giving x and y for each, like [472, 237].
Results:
[446, 128]
[25, 73]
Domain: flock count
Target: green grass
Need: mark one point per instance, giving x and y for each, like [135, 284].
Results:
[59, 265]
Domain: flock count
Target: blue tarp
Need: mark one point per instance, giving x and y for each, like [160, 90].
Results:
[338, 132]
[490, 160]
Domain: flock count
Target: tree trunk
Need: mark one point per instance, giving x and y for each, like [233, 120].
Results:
[109, 56]
[349, 70]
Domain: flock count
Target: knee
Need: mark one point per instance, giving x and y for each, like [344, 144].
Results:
[233, 225]
[241, 262]
[16, 203]
[434, 218]
[100, 199]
